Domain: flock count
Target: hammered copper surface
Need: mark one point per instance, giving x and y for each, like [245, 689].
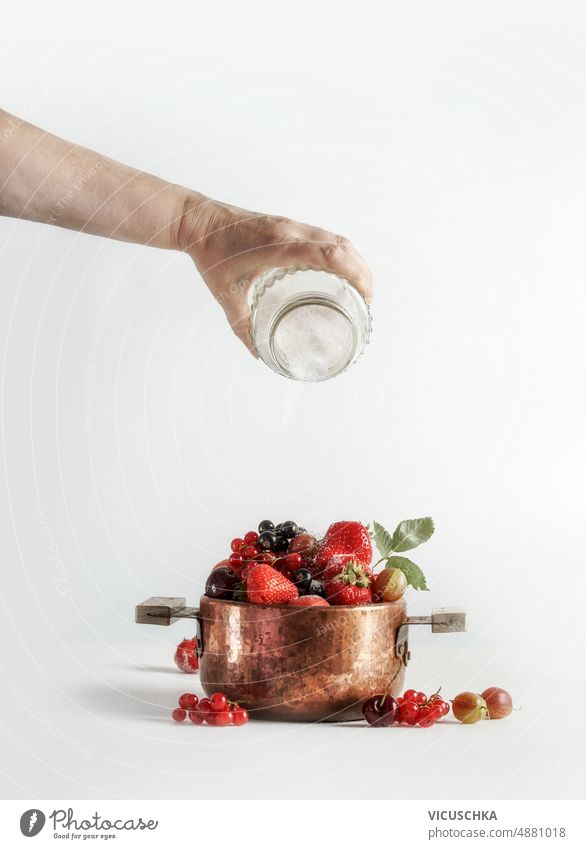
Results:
[300, 663]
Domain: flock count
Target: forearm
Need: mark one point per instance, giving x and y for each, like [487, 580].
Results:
[44, 178]
[47, 179]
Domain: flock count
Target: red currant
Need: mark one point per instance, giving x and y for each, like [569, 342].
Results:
[218, 702]
[240, 716]
[236, 559]
[265, 557]
[420, 698]
[235, 544]
[436, 712]
[204, 707]
[251, 537]
[293, 561]
[438, 704]
[223, 718]
[188, 701]
[211, 717]
[426, 716]
[408, 712]
[249, 551]
[197, 717]
[179, 714]
[410, 695]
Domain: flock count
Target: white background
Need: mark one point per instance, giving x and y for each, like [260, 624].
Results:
[447, 140]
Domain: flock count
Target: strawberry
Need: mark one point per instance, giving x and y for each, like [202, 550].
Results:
[336, 565]
[186, 655]
[349, 594]
[309, 601]
[351, 585]
[264, 585]
[348, 538]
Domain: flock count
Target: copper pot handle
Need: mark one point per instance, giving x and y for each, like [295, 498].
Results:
[165, 610]
[443, 620]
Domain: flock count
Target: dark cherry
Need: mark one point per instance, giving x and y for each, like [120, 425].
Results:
[267, 540]
[221, 583]
[302, 578]
[389, 710]
[371, 710]
[289, 529]
[266, 525]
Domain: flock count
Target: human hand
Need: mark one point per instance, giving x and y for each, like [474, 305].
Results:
[231, 247]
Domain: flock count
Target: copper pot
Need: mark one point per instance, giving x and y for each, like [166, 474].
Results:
[300, 663]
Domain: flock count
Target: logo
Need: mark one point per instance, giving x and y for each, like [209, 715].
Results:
[31, 822]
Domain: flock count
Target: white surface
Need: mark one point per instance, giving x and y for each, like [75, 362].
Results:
[447, 140]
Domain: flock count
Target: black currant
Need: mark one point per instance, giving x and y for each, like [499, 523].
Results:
[289, 529]
[267, 540]
[302, 578]
[281, 544]
[316, 588]
[266, 525]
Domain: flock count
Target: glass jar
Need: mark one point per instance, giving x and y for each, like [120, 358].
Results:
[307, 324]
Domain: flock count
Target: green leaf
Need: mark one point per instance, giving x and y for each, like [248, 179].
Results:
[382, 539]
[411, 533]
[413, 573]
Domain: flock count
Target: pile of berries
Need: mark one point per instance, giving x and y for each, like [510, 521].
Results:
[280, 564]
[412, 708]
[216, 710]
[285, 551]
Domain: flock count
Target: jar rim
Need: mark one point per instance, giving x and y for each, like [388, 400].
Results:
[312, 299]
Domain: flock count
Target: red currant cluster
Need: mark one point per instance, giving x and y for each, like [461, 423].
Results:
[412, 708]
[416, 709]
[216, 710]
[248, 550]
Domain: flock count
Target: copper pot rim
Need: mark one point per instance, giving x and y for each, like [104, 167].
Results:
[292, 608]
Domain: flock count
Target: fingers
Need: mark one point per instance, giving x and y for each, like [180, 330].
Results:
[238, 314]
[321, 249]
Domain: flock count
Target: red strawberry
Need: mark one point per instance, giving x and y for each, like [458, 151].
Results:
[344, 538]
[264, 585]
[352, 585]
[186, 655]
[309, 601]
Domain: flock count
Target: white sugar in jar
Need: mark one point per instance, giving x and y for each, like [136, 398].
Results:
[307, 324]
